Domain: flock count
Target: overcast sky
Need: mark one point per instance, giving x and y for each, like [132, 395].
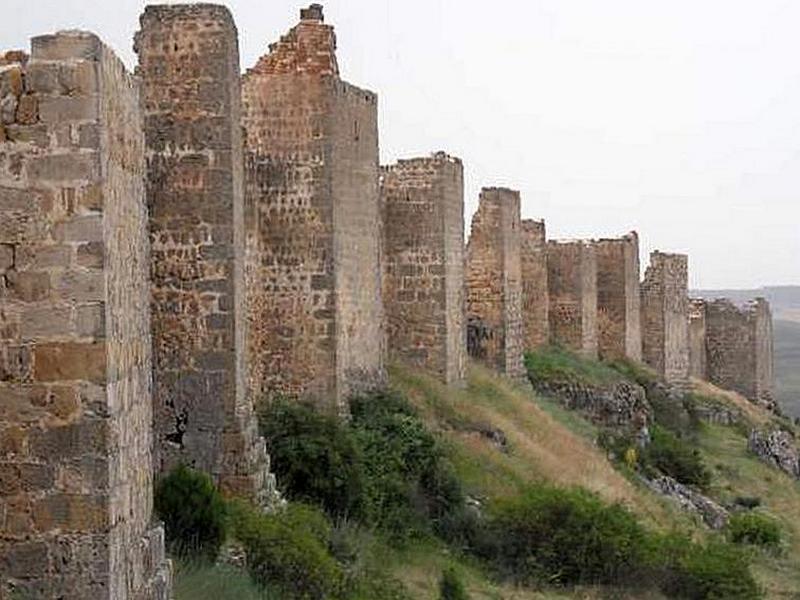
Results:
[679, 119]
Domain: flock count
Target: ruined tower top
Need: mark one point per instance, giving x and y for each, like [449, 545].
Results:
[308, 48]
[312, 13]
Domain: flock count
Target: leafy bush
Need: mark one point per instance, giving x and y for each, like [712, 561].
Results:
[563, 537]
[409, 485]
[451, 586]
[289, 551]
[755, 529]
[193, 511]
[315, 457]
[674, 457]
[707, 571]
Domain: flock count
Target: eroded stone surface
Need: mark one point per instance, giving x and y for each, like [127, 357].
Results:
[494, 283]
[75, 351]
[618, 298]
[189, 67]
[665, 317]
[535, 295]
[739, 349]
[423, 263]
[312, 223]
[572, 284]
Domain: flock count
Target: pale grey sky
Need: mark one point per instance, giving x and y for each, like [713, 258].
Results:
[680, 119]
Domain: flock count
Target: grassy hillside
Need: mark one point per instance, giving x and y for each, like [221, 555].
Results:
[787, 365]
[501, 438]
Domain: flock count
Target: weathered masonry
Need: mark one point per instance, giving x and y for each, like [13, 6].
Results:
[740, 352]
[494, 283]
[572, 285]
[189, 66]
[313, 223]
[75, 353]
[697, 338]
[535, 298]
[618, 298]
[665, 316]
[423, 259]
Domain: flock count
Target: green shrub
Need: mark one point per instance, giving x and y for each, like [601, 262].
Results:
[408, 483]
[562, 537]
[675, 457]
[715, 570]
[193, 512]
[748, 502]
[755, 529]
[289, 551]
[315, 457]
[451, 586]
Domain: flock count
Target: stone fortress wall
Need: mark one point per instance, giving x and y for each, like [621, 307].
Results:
[189, 68]
[665, 317]
[739, 348]
[697, 339]
[572, 290]
[423, 260]
[180, 245]
[75, 353]
[494, 283]
[618, 298]
[535, 304]
[313, 221]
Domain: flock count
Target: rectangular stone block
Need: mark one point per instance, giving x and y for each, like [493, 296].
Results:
[66, 45]
[71, 167]
[70, 361]
[83, 228]
[60, 109]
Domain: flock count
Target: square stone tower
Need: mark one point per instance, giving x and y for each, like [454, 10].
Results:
[618, 298]
[739, 342]
[494, 283]
[189, 67]
[697, 338]
[535, 296]
[313, 223]
[665, 316]
[572, 284]
[423, 261]
[75, 354]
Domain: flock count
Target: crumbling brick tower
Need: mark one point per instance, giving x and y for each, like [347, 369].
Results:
[494, 283]
[618, 298]
[189, 66]
[535, 296]
[75, 354]
[423, 259]
[697, 338]
[572, 285]
[740, 349]
[313, 223]
[665, 317]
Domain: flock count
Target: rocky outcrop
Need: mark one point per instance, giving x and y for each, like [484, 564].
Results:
[617, 404]
[713, 515]
[777, 448]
